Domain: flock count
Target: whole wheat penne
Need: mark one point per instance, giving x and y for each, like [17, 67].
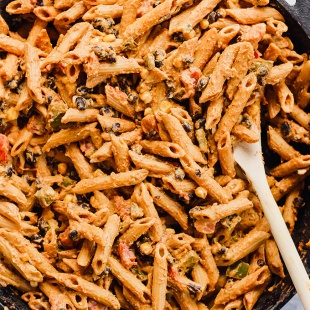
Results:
[115, 124]
[160, 276]
[188, 19]
[28, 271]
[234, 110]
[138, 228]
[220, 73]
[218, 211]
[203, 179]
[254, 15]
[281, 188]
[162, 148]
[214, 112]
[242, 247]
[103, 251]
[241, 64]
[68, 41]
[33, 73]
[289, 211]
[121, 154]
[280, 146]
[291, 166]
[88, 288]
[119, 101]
[143, 198]
[273, 258]
[19, 7]
[67, 136]
[87, 251]
[200, 276]
[179, 136]
[13, 193]
[46, 13]
[9, 277]
[152, 164]
[130, 10]
[102, 10]
[224, 148]
[169, 205]
[256, 278]
[300, 116]
[72, 14]
[226, 34]
[111, 181]
[129, 280]
[285, 97]
[74, 115]
[148, 20]
[55, 295]
[205, 48]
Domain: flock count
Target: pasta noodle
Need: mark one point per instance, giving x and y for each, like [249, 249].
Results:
[118, 121]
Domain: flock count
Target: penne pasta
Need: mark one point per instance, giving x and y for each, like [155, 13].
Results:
[119, 189]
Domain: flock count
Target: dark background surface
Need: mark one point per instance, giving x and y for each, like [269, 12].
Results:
[297, 19]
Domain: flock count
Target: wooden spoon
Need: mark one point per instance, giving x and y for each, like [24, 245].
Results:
[249, 157]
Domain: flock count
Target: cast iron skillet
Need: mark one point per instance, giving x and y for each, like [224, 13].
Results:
[297, 19]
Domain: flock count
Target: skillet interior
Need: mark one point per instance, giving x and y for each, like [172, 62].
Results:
[279, 292]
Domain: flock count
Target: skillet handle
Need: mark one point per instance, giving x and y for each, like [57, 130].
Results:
[300, 12]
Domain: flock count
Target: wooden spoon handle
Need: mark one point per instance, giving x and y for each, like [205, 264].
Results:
[284, 240]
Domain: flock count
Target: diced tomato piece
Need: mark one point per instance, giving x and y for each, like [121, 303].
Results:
[189, 78]
[64, 239]
[256, 55]
[128, 258]
[94, 305]
[122, 207]
[4, 149]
